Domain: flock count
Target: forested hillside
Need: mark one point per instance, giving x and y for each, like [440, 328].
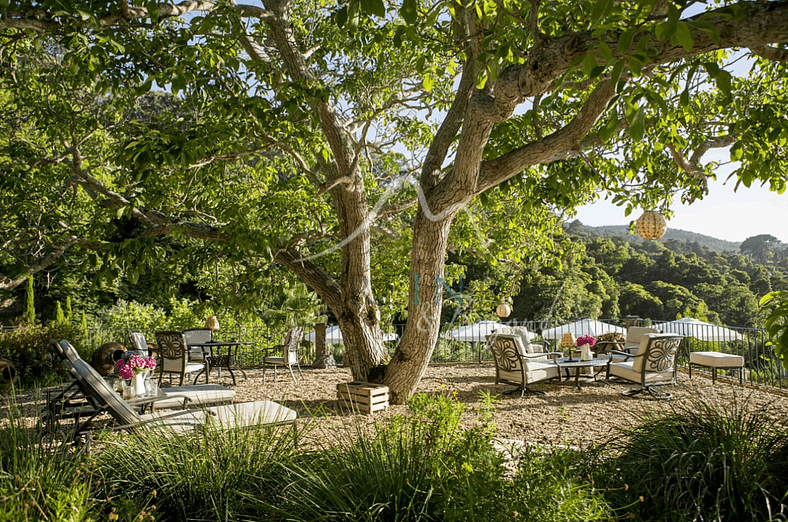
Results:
[712, 243]
[616, 277]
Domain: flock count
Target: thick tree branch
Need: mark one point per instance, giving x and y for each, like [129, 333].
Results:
[6, 283]
[770, 53]
[330, 122]
[691, 166]
[762, 23]
[447, 132]
[311, 274]
[325, 187]
[563, 142]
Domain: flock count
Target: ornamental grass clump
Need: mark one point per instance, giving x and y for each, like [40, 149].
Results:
[40, 477]
[205, 475]
[423, 467]
[412, 468]
[703, 461]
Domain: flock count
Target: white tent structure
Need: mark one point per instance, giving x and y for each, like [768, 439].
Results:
[582, 327]
[334, 336]
[701, 330]
[476, 332]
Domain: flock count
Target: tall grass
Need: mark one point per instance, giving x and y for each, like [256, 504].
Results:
[195, 476]
[40, 479]
[702, 462]
[422, 466]
[425, 467]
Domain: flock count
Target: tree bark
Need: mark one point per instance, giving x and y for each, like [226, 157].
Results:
[413, 354]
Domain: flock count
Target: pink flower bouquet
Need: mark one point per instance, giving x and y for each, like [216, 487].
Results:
[129, 366]
[590, 340]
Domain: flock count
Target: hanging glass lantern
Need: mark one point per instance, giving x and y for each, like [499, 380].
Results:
[651, 225]
[503, 310]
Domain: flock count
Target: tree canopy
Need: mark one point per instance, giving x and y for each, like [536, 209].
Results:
[338, 140]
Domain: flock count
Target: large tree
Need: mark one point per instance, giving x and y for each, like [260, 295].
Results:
[369, 119]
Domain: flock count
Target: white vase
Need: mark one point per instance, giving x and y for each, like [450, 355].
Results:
[138, 384]
[585, 352]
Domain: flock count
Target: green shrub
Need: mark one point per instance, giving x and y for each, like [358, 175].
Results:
[419, 468]
[703, 462]
[27, 346]
[551, 484]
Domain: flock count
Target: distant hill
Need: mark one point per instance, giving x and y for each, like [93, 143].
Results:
[718, 245]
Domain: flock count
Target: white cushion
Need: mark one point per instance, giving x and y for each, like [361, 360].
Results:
[626, 370]
[537, 371]
[244, 414]
[635, 335]
[522, 331]
[717, 359]
[200, 394]
[524, 346]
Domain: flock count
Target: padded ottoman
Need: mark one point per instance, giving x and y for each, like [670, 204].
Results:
[716, 360]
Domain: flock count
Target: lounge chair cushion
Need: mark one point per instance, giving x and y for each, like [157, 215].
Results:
[198, 395]
[717, 359]
[232, 415]
[535, 372]
[240, 415]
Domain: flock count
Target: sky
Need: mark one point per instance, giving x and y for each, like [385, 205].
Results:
[722, 214]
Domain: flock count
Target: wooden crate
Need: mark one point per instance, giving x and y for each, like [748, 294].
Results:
[363, 397]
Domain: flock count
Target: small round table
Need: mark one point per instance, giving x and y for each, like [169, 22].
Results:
[576, 363]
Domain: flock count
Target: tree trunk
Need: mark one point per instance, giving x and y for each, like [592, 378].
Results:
[406, 368]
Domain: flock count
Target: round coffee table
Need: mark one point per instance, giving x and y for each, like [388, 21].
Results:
[576, 363]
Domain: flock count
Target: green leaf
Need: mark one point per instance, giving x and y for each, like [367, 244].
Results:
[707, 28]
[618, 68]
[589, 63]
[635, 65]
[608, 130]
[428, 82]
[625, 40]
[737, 151]
[601, 8]
[341, 16]
[153, 10]
[605, 52]
[374, 7]
[409, 11]
[354, 14]
[637, 126]
[684, 36]
[481, 81]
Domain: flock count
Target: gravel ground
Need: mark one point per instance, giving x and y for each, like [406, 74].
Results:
[565, 415]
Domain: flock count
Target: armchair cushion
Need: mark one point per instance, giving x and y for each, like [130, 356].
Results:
[626, 370]
[525, 346]
[635, 336]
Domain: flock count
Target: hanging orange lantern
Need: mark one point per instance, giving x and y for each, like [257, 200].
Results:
[651, 225]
